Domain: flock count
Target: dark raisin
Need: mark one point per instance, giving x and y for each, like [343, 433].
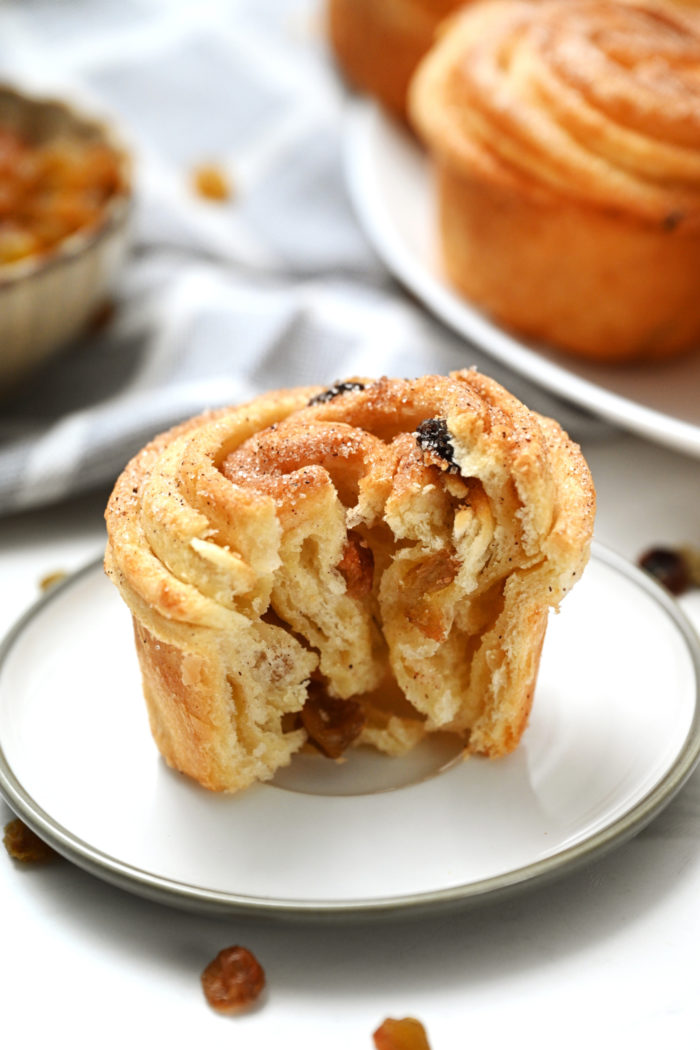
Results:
[673, 219]
[233, 980]
[667, 566]
[332, 724]
[334, 391]
[433, 436]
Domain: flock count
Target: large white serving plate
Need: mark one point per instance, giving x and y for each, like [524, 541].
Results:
[613, 735]
[390, 184]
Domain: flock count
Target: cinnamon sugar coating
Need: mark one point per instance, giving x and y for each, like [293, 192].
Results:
[283, 550]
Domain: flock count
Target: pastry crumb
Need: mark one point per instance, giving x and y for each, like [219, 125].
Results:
[51, 579]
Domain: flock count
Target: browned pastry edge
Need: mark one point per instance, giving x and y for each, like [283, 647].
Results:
[202, 561]
[620, 290]
[378, 44]
[611, 279]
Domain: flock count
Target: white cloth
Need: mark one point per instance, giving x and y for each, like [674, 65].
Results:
[219, 301]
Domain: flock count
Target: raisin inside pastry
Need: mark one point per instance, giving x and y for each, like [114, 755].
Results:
[358, 565]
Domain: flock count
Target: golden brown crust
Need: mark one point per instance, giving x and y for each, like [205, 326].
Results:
[378, 43]
[398, 541]
[567, 139]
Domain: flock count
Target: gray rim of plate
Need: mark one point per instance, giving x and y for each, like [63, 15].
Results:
[169, 891]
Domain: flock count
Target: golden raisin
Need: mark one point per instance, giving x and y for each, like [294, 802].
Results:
[423, 580]
[50, 190]
[357, 568]
[331, 724]
[233, 980]
[211, 182]
[430, 575]
[22, 844]
[403, 1034]
[429, 620]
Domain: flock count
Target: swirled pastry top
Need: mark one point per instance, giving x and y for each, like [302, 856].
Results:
[196, 519]
[596, 100]
[366, 564]
[434, 10]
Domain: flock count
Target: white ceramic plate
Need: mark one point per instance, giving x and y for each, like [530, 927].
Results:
[614, 734]
[390, 183]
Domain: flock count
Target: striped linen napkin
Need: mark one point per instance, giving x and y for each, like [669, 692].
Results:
[274, 286]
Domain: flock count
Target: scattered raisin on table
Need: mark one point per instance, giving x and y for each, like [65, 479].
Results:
[405, 1033]
[23, 845]
[212, 183]
[233, 980]
[667, 566]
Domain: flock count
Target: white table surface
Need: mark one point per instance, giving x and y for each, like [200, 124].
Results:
[607, 955]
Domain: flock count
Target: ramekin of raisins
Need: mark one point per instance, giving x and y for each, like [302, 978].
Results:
[65, 200]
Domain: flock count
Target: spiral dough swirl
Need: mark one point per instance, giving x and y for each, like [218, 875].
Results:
[599, 101]
[362, 564]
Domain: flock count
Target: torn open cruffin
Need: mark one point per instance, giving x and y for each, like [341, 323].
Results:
[363, 564]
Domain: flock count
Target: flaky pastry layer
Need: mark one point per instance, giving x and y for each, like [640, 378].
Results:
[388, 549]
